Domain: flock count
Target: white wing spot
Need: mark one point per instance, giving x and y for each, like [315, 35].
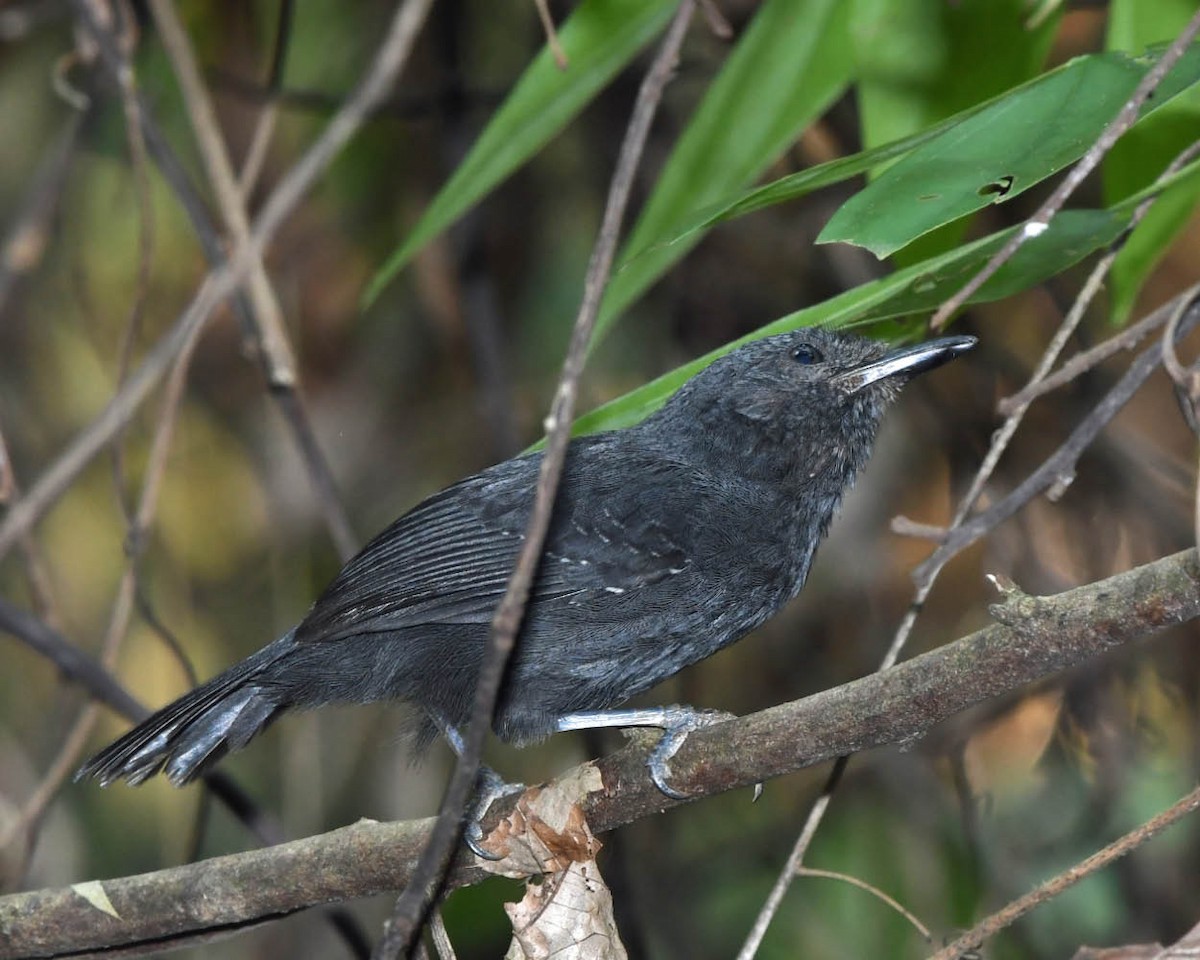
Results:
[615, 589]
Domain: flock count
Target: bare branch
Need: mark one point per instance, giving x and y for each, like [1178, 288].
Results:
[264, 127]
[1058, 470]
[268, 317]
[873, 891]
[272, 346]
[1068, 878]
[82, 668]
[1035, 637]
[1081, 363]
[26, 241]
[222, 281]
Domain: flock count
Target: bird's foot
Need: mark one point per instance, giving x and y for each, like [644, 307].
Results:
[489, 787]
[676, 723]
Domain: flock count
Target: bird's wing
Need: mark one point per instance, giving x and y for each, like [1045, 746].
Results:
[449, 559]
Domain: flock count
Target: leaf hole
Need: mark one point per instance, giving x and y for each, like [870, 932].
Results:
[997, 188]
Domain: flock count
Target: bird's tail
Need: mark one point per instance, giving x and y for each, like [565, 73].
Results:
[188, 736]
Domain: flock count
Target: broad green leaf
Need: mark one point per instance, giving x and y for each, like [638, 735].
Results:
[800, 184]
[791, 62]
[920, 61]
[999, 152]
[1147, 149]
[599, 39]
[1072, 235]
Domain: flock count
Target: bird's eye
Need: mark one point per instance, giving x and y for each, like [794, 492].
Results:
[806, 355]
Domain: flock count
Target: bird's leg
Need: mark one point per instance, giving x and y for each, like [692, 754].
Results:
[489, 786]
[676, 723]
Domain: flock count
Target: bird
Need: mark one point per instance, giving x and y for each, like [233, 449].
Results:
[669, 540]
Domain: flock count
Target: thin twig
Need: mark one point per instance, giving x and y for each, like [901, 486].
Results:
[68, 757]
[36, 573]
[874, 891]
[268, 317]
[1185, 379]
[923, 588]
[115, 59]
[443, 948]
[1081, 363]
[222, 281]
[256, 154]
[25, 824]
[82, 668]
[403, 928]
[560, 56]
[27, 238]
[1002, 918]
[134, 124]
[272, 346]
[795, 860]
[1056, 473]
[1187, 388]
[8, 479]
[1038, 223]
[1132, 334]
[28, 819]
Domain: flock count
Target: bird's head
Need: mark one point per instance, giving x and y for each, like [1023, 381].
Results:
[784, 403]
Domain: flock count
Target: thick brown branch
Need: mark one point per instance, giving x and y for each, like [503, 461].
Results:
[1034, 637]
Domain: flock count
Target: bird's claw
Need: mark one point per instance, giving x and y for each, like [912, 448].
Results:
[488, 788]
[473, 838]
[678, 723]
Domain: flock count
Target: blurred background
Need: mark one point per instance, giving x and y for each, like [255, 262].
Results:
[450, 369]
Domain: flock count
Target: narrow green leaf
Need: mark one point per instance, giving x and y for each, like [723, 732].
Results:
[999, 152]
[788, 66]
[599, 39]
[1072, 235]
[800, 184]
[920, 61]
[1147, 149]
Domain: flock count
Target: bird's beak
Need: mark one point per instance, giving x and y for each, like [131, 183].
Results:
[906, 362]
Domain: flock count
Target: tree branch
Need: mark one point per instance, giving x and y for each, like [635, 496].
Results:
[1033, 638]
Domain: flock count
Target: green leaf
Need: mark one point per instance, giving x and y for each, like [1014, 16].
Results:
[800, 184]
[920, 61]
[599, 39]
[1072, 235]
[1000, 151]
[1147, 149]
[790, 63]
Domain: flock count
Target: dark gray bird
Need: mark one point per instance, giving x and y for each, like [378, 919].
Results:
[670, 540]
